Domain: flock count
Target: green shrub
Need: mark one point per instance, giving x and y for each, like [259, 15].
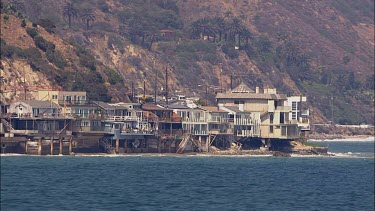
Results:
[43, 44]
[32, 32]
[34, 24]
[6, 17]
[113, 76]
[23, 23]
[229, 50]
[56, 57]
[2, 42]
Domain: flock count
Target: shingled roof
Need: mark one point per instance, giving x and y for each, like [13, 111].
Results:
[242, 88]
[40, 104]
[244, 92]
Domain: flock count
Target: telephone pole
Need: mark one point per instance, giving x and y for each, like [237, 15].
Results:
[166, 85]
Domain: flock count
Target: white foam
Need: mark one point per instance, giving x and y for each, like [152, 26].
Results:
[368, 139]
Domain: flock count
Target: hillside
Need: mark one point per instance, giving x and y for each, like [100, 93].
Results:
[321, 49]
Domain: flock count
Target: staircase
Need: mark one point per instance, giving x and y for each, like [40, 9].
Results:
[183, 143]
[7, 125]
[107, 146]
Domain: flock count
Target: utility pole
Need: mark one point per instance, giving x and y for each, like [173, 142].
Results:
[156, 84]
[206, 95]
[24, 81]
[144, 90]
[300, 107]
[231, 81]
[332, 110]
[132, 92]
[166, 85]
[221, 85]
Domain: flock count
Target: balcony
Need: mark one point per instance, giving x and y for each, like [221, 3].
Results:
[283, 108]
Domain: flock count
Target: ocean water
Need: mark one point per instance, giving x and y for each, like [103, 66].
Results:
[343, 182]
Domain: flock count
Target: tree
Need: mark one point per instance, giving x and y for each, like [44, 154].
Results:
[16, 6]
[290, 52]
[235, 28]
[247, 34]
[70, 12]
[220, 25]
[88, 16]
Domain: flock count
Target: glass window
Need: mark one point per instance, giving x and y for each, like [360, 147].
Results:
[283, 130]
[294, 106]
[271, 129]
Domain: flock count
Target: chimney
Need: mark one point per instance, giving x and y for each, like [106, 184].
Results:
[257, 89]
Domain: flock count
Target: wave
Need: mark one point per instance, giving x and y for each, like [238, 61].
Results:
[368, 139]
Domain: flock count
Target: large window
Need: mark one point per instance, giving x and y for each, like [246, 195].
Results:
[271, 129]
[282, 117]
[239, 102]
[283, 130]
[271, 118]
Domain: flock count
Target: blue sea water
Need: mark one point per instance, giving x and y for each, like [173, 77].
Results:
[191, 183]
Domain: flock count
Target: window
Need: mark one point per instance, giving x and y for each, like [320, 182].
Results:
[271, 118]
[294, 106]
[271, 129]
[283, 130]
[239, 102]
[54, 97]
[294, 115]
[282, 118]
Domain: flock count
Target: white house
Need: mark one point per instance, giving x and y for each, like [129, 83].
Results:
[34, 108]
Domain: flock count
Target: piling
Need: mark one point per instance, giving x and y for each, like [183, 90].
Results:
[40, 146]
[117, 145]
[52, 146]
[61, 146]
[70, 146]
[26, 150]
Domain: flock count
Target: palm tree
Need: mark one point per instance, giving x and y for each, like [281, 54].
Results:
[290, 52]
[247, 34]
[235, 28]
[220, 25]
[70, 12]
[87, 16]
[195, 29]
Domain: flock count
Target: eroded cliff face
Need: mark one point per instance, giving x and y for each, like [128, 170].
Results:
[321, 29]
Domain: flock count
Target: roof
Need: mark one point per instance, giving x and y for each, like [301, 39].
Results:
[242, 88]
[153, 107]
[107, 106]
[234, 109]
[40, 104]
[175, 106]
[251, 96]
[213, 109]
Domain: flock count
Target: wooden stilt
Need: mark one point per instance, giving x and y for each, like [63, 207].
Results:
[158, 144]
[169, 143]
[61, 146]
[117, 145]
[26, 150]
[208, 141]
[126, 146]
[70, 145]
[40, 146]
[51, 146]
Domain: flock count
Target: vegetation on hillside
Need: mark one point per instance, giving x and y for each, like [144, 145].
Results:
[200, 48]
